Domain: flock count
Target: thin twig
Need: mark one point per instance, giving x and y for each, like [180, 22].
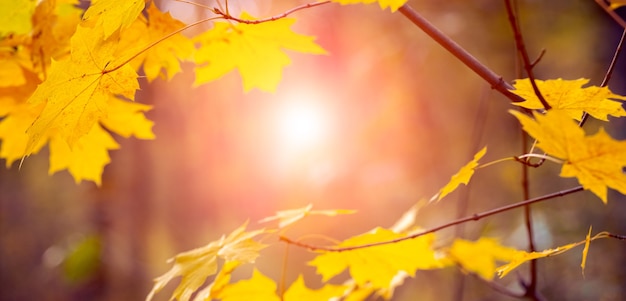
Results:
[474, 217]
[609, 72]
[521, 48]
[611, 13]
[470, 61]
[227, 16]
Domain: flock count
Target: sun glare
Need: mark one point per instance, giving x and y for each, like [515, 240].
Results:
[301, 125]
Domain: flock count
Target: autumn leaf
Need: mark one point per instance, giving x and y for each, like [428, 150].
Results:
[378, 265]
[15, 16]
[392, 4]
[77, 91]
[221, 280]
[127, 119]
[259, 287]
[112, 15]
[163, 58]
[298, 291]
[86, 160]
[196, 265]
[596, 161]
[256, 50]
[481, 256]
[571, 97]
[462, 177]
[288, 217]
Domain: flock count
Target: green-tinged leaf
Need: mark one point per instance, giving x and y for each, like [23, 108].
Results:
[259, 287]
[288, 217]
[256, 50]
[570, 96]
[196, 265]
[596, 161]
[378, 265]
[462, 177]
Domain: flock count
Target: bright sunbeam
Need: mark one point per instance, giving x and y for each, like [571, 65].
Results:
[301, 125]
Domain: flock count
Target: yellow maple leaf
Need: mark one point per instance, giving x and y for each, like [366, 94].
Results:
[259, 287]
[196, 265]
[392, 4]
[481, 256]
[15, 16]
[13, 133]
[378, 265]
[256, 50]
[86, 160]
[77, 90]
[221, 280]
[596, 161]
[127, 119]
[112, 15]
[571, 97]
[288, 217]
[463, 176]
[298, 291]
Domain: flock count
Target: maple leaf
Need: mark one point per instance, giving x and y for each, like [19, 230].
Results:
[127, 119]
[161, 59]
[259, 287]
[571, 97]
[596, 161]
[15, 16]
[392, 4]
[480, 257]
[86, 160]
[298, 291]
[112, 15]
[221, 280]
[288, 217]
[196, 265]
[463, 176]
[77, 90]
[378, 265]
[521, 257]
[256, 50]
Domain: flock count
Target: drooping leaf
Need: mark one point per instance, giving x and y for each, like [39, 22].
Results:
[256, 50]
[259, 287]
[86, 160]
[288, 217]
[76, 91]
[462, 177]
[221, 280]
[378, 265]
[571, 97]
[298, 291]
[596, 161]
[112, 15]
[392, 4]
[196, 265]
[481, 256]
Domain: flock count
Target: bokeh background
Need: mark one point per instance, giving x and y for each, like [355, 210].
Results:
[399, 117]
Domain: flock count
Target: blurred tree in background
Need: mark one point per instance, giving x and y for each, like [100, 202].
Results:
[402, 114]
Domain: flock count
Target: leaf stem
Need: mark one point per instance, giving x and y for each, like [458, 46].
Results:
[496, 81]
[474, 217]
[541, 156]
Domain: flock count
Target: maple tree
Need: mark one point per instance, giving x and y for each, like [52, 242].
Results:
[69, 78]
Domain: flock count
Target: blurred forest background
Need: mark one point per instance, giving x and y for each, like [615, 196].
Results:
[402, 116]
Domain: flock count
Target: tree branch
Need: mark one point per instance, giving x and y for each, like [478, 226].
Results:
[474, 217]
[470, 61]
